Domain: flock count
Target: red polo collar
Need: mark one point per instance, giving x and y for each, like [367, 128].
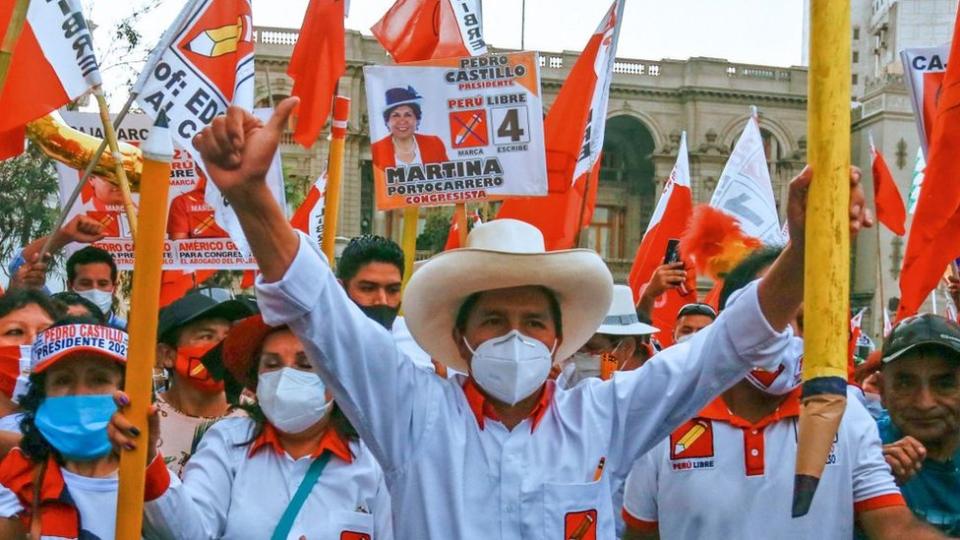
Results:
[717, 410]
[482, 408]
[331, 441]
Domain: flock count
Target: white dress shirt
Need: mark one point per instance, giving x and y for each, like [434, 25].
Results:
[451, 478]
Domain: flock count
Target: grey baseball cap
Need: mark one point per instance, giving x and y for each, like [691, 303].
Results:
[926, 329]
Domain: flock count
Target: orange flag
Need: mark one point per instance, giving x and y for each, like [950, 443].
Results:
[317, 62]
[890, 208]
[934, 238]
[573, 131]
[414, 30]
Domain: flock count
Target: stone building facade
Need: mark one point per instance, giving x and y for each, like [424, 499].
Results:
[651, 102]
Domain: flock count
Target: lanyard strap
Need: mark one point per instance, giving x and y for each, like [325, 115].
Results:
[300, 497]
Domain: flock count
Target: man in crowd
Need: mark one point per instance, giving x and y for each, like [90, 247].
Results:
[919, 384]
[92, 273]
[187, 330]
[499, 450]
[730, 467]
[622, 337]
[691, 319]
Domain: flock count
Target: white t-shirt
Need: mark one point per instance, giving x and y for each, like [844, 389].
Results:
[94, 498]
[11, 422]
[718, 476]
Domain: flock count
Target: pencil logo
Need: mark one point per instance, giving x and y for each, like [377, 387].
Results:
[580, 525]
[693, 439]
[223, 40]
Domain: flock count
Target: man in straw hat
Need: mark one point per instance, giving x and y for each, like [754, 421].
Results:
[499, 452]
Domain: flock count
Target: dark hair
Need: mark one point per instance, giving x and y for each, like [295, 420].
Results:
[366, 249]
[90, 255]
[34, 446]
[20, 298]
[467, 306]
[69, 298]
[415, 106]
[747, 271]
[697, 308]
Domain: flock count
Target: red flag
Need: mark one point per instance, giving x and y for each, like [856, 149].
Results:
[890, 209]
[175, 283]
[414, 30]
[573, 131]
[669, 220]
[934, 238]
[453, 236]
[317, 62]
[53, 63]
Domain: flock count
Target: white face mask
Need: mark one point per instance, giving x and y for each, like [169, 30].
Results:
[685, 337]
[511, 367]
[787, 377]
[586, 364]
[103, 299]
[293, 400]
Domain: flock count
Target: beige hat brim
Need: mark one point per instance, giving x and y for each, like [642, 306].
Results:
[579, 278]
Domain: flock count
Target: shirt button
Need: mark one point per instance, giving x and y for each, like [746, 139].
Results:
[754, 452]
[754, 432]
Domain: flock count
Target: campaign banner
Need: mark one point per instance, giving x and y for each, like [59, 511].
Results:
[456, 130]
[195, 240]
[925, 69]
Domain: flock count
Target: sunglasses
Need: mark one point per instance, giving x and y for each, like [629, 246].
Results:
[697, 309]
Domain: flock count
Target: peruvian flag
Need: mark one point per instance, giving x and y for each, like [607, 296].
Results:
[414, 30]
[573, 131]
[669, 220]
[745, 191]
[925, 70]
[453, 236]
[890, 209]
[309, 216]
[934, 239]
[318, 61]
[53, 64]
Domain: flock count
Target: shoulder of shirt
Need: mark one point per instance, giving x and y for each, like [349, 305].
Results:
[14, 465]
[235, 429]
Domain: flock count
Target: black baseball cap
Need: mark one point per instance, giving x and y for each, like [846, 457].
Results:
[203, 303]
[926, 329]
[697, 308]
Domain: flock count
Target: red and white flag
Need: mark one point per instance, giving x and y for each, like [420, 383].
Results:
[573, 131]
[669, 220]
[204, 64]
[887, 200]
[925, 69]
[414, 30]
[453, 236]
[309, 216]
[934, 240]
[744, 190]
[53, 64]
[317, 62]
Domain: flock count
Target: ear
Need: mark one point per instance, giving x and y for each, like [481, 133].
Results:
[166, 356]
[557, 348]
[881, 387]
[465, 353]
[629, 347]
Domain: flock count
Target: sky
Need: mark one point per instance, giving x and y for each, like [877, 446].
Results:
[747, 31]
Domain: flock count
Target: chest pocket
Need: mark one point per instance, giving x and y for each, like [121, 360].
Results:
[577, 511]
[351, 525]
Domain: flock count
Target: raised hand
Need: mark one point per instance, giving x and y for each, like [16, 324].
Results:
[237, 149]
[83, 229]
[860, 215]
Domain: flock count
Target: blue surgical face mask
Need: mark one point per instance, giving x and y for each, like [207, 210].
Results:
[77, 425]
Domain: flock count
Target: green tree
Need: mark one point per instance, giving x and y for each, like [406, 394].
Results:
[28, 201]
[435, 231]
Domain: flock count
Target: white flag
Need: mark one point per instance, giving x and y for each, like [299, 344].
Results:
[744, 190]
[916, 183]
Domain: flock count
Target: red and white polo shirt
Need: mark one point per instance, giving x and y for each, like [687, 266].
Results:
[720, 476]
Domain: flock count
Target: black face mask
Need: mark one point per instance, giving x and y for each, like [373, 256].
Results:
[383, 315]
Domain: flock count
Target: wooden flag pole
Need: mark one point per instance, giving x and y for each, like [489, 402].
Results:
[827, 252]
[408, 242]
[111, 137]
[331, 202]
[147, 265]
[11, 37]
[460, 218]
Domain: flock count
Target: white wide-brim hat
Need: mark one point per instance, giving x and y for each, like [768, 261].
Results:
[622, 318]
[500, 254]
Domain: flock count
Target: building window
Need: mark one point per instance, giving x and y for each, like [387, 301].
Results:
[856, 34]
[606, 232]
[366, 197]
[856, 56]
[854, 79]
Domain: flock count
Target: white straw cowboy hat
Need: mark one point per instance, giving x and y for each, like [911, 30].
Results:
[622, 318]
[500, 254]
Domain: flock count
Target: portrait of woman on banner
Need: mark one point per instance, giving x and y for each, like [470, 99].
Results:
[404, 146]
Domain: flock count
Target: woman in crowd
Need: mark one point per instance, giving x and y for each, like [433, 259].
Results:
[62, 480]
[78, 306]
[294, 468]
[24, 313]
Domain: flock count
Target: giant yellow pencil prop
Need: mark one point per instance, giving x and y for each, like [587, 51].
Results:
[145, 300]
[331, 198]
[411, 215]
[827, 256]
